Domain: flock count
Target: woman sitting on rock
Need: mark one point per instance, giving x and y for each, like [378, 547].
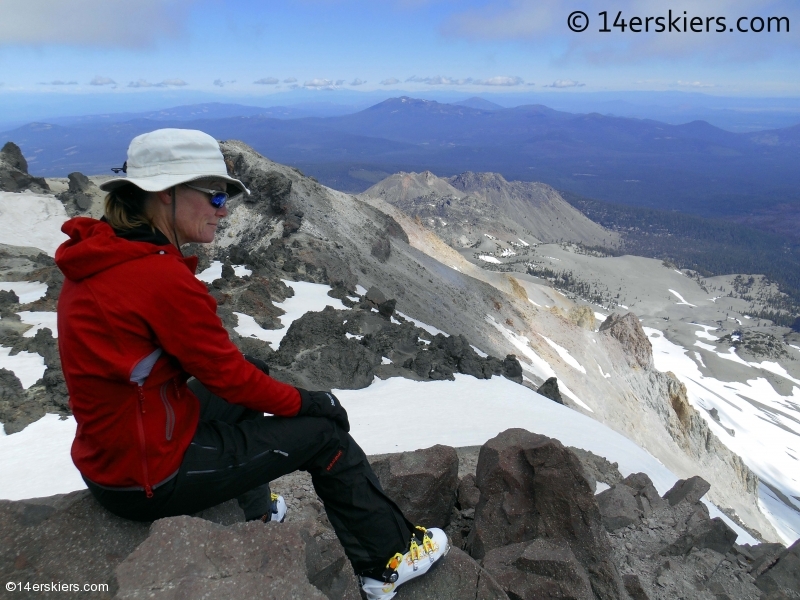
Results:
[170, 414]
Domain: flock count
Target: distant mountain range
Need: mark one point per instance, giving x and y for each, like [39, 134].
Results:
[694, 168]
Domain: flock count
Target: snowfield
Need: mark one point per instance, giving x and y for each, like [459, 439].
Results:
[766, 428]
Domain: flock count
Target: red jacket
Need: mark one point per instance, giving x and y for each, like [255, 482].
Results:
[121, 301]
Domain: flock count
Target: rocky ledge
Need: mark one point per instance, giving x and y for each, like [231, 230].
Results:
[521, 512]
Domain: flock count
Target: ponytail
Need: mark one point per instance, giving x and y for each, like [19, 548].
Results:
[125, 207]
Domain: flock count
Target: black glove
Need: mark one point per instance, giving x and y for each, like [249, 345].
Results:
[323, 404]
[257, 362]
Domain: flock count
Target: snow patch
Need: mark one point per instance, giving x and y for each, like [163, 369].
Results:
[564, 354]
[679, 297]
[29, 367]
[32, 220]
[37, 461]
[523, 242]
[308, 297]
[489, 259]
[39, 320]
[214, 271]
[478, 351]
[429, 328]
[26, 291]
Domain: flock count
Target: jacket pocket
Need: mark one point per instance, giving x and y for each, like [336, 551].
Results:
[170, 422]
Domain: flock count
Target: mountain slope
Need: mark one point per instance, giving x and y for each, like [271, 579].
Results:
[464, 210]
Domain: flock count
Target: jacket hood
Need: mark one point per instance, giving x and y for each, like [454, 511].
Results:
[93, 246]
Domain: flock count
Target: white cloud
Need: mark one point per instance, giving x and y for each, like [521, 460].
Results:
[267, 81]
[102, 81]
[92, 22]
[693, 84]
[565, 83]
[143, 83]
[290, 80]
[439, 80]
[318, 83]
[357, 81]
[502, 81]
[390, 81]
[59, 82]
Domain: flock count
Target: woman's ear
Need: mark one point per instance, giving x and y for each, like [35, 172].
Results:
[165, 197]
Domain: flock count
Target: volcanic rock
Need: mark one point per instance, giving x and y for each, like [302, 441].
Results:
[532, 487]
[629, 333]
[14, 175]
[543, 568]
[549, 389]
[687, 490]
[423, 483]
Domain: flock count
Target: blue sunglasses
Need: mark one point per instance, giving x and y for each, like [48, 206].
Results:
[216, 198]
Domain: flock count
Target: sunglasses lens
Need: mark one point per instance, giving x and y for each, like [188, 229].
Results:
[219, 199]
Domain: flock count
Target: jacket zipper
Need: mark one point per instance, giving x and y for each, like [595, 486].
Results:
[170, 425]
[148, 490]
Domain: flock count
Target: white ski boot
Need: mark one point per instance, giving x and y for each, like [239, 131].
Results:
[278, 512]
[426, 547]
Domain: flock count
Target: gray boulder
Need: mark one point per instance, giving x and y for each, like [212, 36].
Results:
[647, 497]
[543, 568]
[423, 483]
[14, 176]
[533, 487]
[687, 490]
[193, 558]
[784, 575]
[468, 493]
[68, 538]
[618, 507]
[80, 195]
[713, 534]
[455, 577]
[549, 389]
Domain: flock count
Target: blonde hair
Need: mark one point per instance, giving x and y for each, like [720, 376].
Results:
[124, 207]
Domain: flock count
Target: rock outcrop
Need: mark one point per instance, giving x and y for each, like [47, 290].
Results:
[14, 176]
[629, 333]
[550, 541]
[533, 488]
[81, 194]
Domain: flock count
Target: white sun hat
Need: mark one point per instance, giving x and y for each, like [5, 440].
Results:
[167, 157]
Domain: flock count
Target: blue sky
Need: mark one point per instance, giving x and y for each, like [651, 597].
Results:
[118, 49]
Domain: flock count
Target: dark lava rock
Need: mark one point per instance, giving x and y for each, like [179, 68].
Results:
[423, 483]
[455, 577]
[628, 332]
[381, 249]
[468, 493]
[316, 354]
[543, 568]
[512, 369]
[186, 557]
[549, 389]
[784, 575]
[634, 587]
[79, 197]
[687, 490]
[67, 538]
[14, 175]
[647, 497]
[713, 534]
[618, 507]
[375, 297]
[8, 299]
[532, 487]
[764, 556]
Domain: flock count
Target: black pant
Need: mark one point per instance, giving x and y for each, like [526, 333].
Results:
[236, 452]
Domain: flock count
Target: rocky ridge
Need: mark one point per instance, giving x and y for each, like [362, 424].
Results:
[521, 512]
[462, 209]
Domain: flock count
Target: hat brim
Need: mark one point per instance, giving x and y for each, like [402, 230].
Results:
[160, 183]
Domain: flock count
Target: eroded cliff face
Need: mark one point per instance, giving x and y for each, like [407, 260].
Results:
[734, 485]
